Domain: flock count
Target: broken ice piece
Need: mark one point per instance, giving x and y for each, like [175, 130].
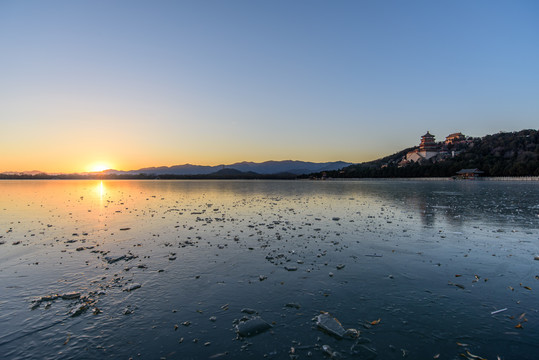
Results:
[330, 324]
[293, 305]
[252, 327]
[78, 310]
[113, 259]
[132, 287]
[70, 295]
[329, 351]
[46, 298]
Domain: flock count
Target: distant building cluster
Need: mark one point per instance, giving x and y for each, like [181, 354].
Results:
[430, 150]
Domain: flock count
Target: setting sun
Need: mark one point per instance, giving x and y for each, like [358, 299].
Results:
[97, 167]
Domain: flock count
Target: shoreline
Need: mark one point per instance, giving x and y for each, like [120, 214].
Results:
[270, 177]
[489, 178]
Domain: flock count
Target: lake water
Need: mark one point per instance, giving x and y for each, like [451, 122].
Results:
[417, 267]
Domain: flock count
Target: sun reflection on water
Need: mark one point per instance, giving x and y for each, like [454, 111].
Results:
[100, 190]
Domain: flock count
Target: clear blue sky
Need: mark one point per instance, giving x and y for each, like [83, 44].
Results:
[142, 83]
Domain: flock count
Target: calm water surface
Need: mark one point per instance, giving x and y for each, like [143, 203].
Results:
[425, 265]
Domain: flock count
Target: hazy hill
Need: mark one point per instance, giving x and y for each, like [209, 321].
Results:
[264, 168]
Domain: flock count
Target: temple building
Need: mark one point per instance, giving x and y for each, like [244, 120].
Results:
[469, 174]
[453, 138]
[427, 143]
[427, 149]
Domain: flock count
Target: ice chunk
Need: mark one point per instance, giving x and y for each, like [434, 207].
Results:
[132, 287]
[252, 327]
[70, 295]
[330, 324]
[78, 310]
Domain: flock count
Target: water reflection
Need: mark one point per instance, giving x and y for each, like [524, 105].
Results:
[453, 204]
[207, 249]
[100, 190]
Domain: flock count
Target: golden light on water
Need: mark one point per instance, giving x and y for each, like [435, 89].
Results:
[100, 190]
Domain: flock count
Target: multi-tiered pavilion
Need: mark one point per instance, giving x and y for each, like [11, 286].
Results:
[427, 149]
[427, 143]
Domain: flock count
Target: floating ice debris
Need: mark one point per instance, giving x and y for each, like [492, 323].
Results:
[471, 356]
[293, 305]
[128, 310]
[132, 287]
[219, 355]
[252, 327]
[113, 259]
[340, 266]
[35, 304]
[70, 295]
[498, 311]
[46, 298]
[363, 351]
[262, 277]
[330, 324]
[460, 286]
[213, 318]
[78, 310]
[330, 352]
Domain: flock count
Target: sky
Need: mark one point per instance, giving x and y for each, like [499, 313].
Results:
[86, 85]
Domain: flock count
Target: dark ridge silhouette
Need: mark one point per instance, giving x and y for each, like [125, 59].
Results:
[502, 154]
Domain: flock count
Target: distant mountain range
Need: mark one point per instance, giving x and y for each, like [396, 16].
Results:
[501, 154]
[264, 168]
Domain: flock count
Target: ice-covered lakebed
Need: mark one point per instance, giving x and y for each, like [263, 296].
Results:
[273, 269]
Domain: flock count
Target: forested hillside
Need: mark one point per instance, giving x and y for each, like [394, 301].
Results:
[502, 154]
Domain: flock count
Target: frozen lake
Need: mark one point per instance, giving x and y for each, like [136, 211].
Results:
[419, 269]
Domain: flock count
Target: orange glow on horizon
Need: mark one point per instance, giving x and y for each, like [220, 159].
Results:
[98, 167]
